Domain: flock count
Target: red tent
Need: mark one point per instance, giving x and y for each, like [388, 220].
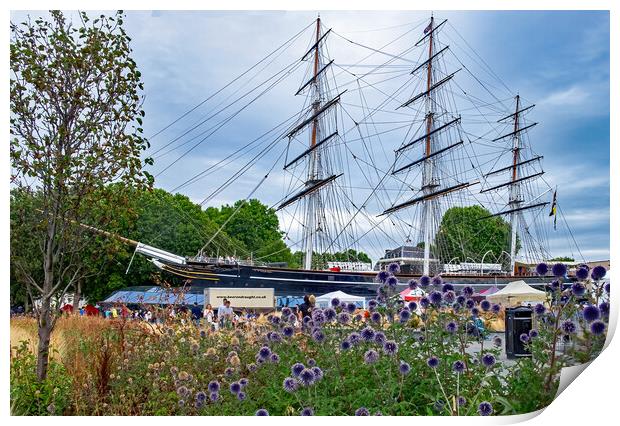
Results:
[90, 310]
[67, 309]
[411, 295]
[489, 291]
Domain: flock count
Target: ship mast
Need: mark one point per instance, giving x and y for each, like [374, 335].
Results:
[427, 176]
[312, 170]
[514, 188]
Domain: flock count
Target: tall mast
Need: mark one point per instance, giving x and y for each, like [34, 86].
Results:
[427, 177]
[312, 172]
[514, 188]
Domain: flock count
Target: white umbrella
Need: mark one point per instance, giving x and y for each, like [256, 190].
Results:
[517, 292]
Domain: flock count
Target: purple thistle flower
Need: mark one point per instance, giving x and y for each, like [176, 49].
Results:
[496, 308]
[275, 337]
[307, 411]
[354, 338]
[362, 411]
[394, 268]
[425, 281]
[344, 318]
[288, 331]
[335, 302]
[461, 300]
[252, 367]
[390, 348]
[306, 377]
[597, 327]
[475, 312]
[392, 281]
[447, 287]
[274, 358]
[582, 273]
[378, 413]
[607, 288]
[404, 315]
[203, 333]
[311, 362]
[199, 404]
[318, 336]
[318, 317]
[485, 305]
[413, 284]
[412, 306]
[371, 356]
[357, 318]
[439, 405]
[181, 403]
[372, 304]
[604, 308]
[290, 384]
[182, 391]
[275, 320]
[235, 388]
[451, 327]
[375, 317]
[297, 368]
[435, 298]
[524, 337]
[432, 362]
[542, 269]
[449, 296]
[264, 352]
[539, 309]
[497, 341]
[591, 313]
[345, 345]
[485, 409]
[306, 320]
[286, 311]
[201, 396]
[558, 270]
[379, 337]
[241, 396]
[488, 360]
[569, 327]
[470, 303]
[458, 366]
[556, 284]
[368, 334]
[330, 314]
[461, 401]
[533, 333]
[243, 382]
[404, 368]
[425, 302]
[318, 373]
[598, 272]
[214, 396]
[261, 412]
[383, 276]
[437, 280]
[213, 386]
[468, 291]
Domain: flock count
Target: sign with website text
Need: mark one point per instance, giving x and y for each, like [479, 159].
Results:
[241, 297]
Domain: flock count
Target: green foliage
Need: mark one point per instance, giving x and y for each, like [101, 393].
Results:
[562, 259]
[464, 234]
[319, 260]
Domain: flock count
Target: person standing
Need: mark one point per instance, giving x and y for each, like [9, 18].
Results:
[196, 314]
[225, 314]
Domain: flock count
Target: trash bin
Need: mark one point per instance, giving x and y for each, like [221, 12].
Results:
[518, 321]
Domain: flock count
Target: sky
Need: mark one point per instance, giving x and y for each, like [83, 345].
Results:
[558, 60]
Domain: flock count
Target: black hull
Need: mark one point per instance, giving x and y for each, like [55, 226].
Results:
[293, 282]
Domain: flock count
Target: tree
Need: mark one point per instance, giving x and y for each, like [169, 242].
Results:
[562, 259]
[463, 233]
[75, 128]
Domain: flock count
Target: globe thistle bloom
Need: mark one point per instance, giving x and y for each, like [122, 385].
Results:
[392, 281]
[318, 317]
[382, 276]
[496, 308]
[421, 338]
[524, 337]
[437, 280]
[404, 315]
[378, 413]
[330, 314]
[288, 331]
[275, 320]
[306, 377]
[275, 337]
[297, 368]
[598, 272]
[182, 391]
[425, 281]
[252, 367]
[470, 303]
[243, 382]
[458, 366]
[357, 318]
[468, 291]
[379, 337]
[497, 341]
[556, 284]
[404, 368]
[597, 327]
[306, 320]
[264, 352]
[569, 327]
[432, 362]
[274, 358]
[451, 327]
[390, 348]
[582, 273]
[488, 360]
[286, 311]
[475, 312]
[607, 288]
[318, 335]
[203, 334]
[542, 269]
[435, 298]
[376, 317]
[425, 302]
[307, 411]
[412, 306]
[413, 284]
[181, 403]
[372, 305]
[345, 345]
[368, 334]
[241, 396]
[214, 386]
[201, 396]
[533, 333]
[394, 268]
[485, 408]
[290, 384]
[199, 404]
[558, 270]
[362, 411]
[371, 356]
[318, 373]
[235, 388]
[311, 362]
[461, 299]
[591, 313]
[354, 338]
[449, 296]
[344, 318]
[485, 305]
[343, 305]
[214, 396]
[439, 405]
[461, 401]
[447, 287]
[539, 309]
[261, 412]
[604, 308]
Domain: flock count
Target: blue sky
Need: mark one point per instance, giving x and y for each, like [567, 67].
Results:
[557, 60]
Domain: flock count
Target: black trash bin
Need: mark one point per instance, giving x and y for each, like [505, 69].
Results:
[518, 321]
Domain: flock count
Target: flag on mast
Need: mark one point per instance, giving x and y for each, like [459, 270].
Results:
[554, 211]
[428, 28]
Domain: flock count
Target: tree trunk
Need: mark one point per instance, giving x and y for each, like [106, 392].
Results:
[45, 331]
[26, 304]
[77, 296]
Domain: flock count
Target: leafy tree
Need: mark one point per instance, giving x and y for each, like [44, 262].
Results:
[562, 259]
[75, 128]
[319, 260]
[463, 233]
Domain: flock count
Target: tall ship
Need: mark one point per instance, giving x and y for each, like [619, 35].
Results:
[378, 159]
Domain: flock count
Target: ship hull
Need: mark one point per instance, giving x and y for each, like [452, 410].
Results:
[295, 282]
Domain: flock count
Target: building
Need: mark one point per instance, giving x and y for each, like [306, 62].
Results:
[410, 259]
